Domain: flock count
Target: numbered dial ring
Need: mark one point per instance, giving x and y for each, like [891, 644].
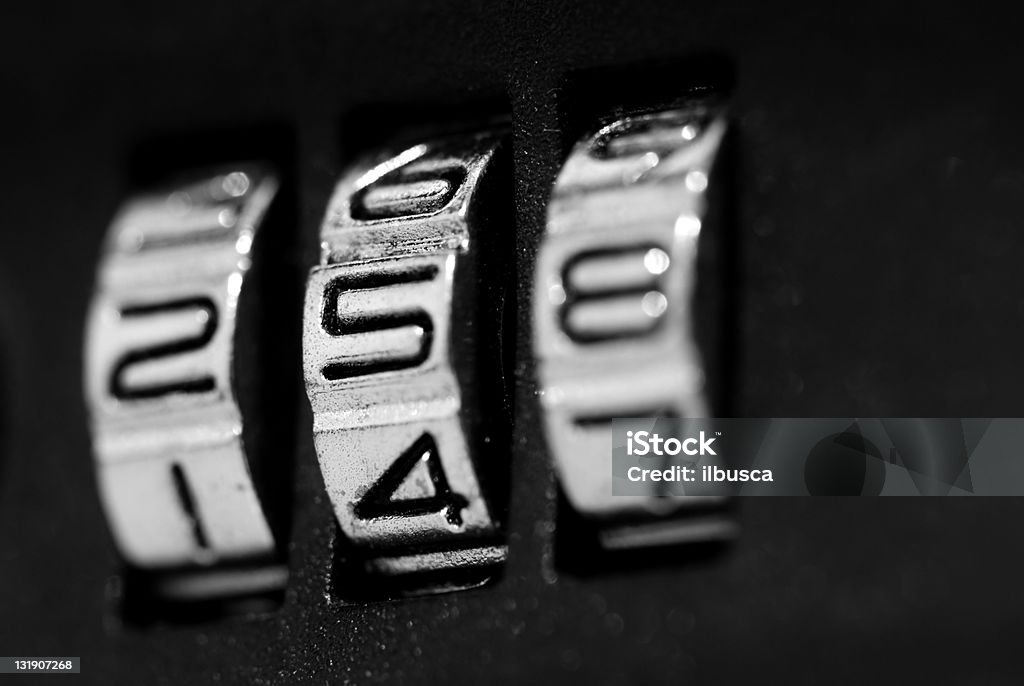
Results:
[398, 340]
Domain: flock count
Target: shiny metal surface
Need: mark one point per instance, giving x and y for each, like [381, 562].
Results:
[166, 426]
[613, 312]
[388, 345]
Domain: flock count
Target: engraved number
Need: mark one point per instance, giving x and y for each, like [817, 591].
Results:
[380, 501]
[198, 384]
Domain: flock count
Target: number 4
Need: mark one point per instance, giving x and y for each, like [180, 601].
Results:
[380, 500]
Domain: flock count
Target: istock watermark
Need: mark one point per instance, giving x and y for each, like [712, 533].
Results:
[647, 443]
[658, 456]
[652, 444]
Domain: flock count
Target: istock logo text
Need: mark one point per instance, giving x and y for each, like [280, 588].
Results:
[647, 443]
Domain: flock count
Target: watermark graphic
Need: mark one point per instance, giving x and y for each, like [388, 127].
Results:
[665, 456]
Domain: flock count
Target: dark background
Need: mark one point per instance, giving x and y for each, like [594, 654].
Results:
[878, 198]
